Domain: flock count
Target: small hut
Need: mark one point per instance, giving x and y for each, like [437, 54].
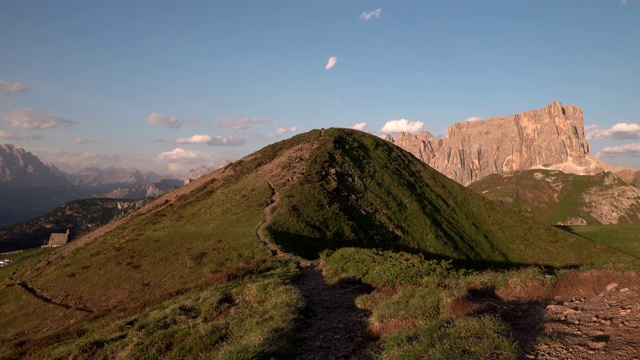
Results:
[58, 239]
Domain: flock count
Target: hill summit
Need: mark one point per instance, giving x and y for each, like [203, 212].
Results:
[549, 138]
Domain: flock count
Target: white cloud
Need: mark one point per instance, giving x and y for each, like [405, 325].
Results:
[404, 125]
[212, 140]
[168, 121]
[624, 150]
[7, 135]
[74, 161]
[8, 88]
[33, 119]
[368, 15]
[79, 140]
[282, 131]
[331, 63]
[239, 125]
[473, 118]
[180, 160]
[624, 2]
[360, 126]
[619, 131]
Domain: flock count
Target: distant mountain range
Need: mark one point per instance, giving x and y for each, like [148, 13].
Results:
[29, 188]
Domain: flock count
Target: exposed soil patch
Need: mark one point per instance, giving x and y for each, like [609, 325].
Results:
[593, 315]
[336, 328]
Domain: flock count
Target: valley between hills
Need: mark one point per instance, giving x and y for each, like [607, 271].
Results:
[336, 244]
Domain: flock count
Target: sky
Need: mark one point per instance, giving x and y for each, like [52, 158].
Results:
[167, 86]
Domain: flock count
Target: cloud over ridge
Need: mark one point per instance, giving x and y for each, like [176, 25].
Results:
[619, 131]
[402, 125]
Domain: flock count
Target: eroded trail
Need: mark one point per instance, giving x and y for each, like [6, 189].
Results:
[336, 328]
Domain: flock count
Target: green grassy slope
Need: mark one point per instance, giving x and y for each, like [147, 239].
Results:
[622, 237]
[359, 190]
[550, 196]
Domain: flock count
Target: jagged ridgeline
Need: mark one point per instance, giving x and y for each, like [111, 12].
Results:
[356, 189]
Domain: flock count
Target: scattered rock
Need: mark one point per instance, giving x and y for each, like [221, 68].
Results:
[611, 286]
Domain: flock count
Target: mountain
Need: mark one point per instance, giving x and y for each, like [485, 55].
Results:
[28, 187]
[197, 173]
[78, 216]
[111, 178]
[194, 273]
[548, 138]
[144, 191]
[557, 198]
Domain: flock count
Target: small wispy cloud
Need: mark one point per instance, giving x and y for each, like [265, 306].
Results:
[473, 118]
[619, 131]
[623, 150]
[624, 2]
[212, 140]
[282, 131]
[80, 141]
[7, 88]
[360, 126]
[168, 121]
[331, 63]
[34, 119]
[239, 125]
[8, 135]
[366, 16]
[402, 125]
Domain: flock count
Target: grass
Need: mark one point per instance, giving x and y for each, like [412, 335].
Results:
[242, 319]
[408, 312]
[622, 237]
[548, 196]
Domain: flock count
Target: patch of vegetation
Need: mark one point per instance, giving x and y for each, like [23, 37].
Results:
[408, 313]
[251, 317]
[549, 196]
[622, 237]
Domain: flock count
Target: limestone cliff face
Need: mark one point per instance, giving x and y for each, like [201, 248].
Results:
[552, 137]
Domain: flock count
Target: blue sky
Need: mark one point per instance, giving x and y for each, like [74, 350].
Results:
[169, 85]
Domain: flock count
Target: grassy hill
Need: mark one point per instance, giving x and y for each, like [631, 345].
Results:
[187, 276]
[554, 197]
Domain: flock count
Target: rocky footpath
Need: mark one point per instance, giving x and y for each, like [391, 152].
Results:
[606, 326]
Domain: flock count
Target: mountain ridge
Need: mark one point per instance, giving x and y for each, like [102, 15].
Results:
[548, 138]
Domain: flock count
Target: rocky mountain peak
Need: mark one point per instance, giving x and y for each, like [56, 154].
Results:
[553, 135]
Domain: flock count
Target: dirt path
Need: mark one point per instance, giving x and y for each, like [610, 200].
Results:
[268, 211]
[336, 328]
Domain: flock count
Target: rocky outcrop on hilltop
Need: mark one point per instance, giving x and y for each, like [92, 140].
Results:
[548, 138]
